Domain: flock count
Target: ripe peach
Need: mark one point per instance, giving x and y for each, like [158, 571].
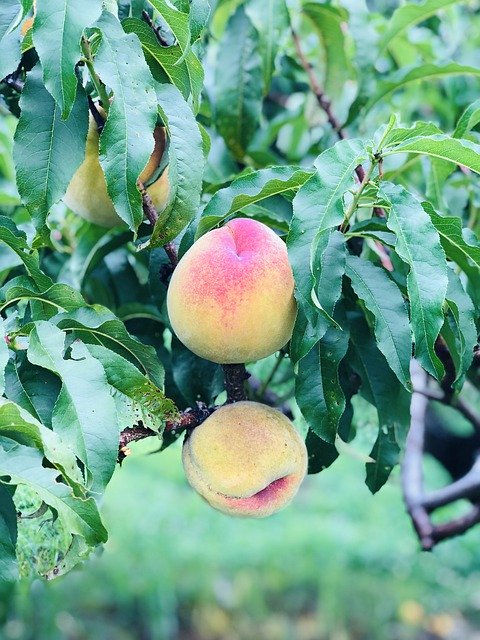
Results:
[246, 459]
[87, 192]
[230, 298]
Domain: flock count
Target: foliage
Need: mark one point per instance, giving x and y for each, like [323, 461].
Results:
[380, 217]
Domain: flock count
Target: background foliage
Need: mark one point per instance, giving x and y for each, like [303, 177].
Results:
[379, 212]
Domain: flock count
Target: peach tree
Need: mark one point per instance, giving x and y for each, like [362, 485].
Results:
[132, 129]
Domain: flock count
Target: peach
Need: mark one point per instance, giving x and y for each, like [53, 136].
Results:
[246, 459]
[87, 192]
[230, 299]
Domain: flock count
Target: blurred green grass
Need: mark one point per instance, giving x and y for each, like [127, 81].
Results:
[337, 564]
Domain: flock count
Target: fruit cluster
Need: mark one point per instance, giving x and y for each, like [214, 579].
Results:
[230, 300]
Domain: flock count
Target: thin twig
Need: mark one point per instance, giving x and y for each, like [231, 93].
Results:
[172, 253]
[326, 104]
[147, 204]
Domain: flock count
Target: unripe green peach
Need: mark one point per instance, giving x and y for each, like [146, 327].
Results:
[87, 192]
[230, 298]
[246, 459]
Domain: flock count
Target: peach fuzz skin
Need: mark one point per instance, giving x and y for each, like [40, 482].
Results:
[87, 192]
[246, 459]
[230, 299]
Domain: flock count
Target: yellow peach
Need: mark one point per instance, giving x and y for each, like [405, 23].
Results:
[246, 459]
[230, 298]
[87, 192]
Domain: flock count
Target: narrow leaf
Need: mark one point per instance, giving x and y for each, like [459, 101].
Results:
[383, 299]
[186, 165]
[249, 189]
[8, 536]
[409, 15]
[23, 465]
[406, 76]
[383, 390]
[327, 21]
[47, 149]
[126, 142]
[318, 392]
[166, 62]
[84, 414]
[418, 245]
[456, 150]
[454, 244]
[57, 29]
[238, 83]
[317, 207]
[150, 403]
[270, 18]
[464, 329]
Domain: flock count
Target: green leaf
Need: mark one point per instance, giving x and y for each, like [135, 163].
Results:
[47, 150]
[455, 246]
[418, 245]
[398, 135]
[409, 15]
[383, 299]
[329, 267]
[318, 391]
[84, 413]
[23, 465]
[18, 425]
[249, 189]
[238, 83]
[317, 207]
[131, 117]
[17, 241]
[469, 119]
[178, 22]
[199, 15]
[3, 355]
[383, 390]
[454, 150]
[327, 21]
[8, 536]
[196, 378]
[57, 29]
[76, 553]
[186, 165]
[10, 12]
[149, 402]
[10, 53]
[321, 454]
[32, 388]
[463, 326]
[165, 62]
[270, 18]
[406, 76]
[96, 325]
[49, 302]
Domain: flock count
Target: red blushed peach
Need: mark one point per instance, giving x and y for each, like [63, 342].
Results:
[230, 298]
[246, 459]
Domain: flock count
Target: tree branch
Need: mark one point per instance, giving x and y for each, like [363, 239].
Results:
[412, 466]
[326, 105]
[189, 419]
